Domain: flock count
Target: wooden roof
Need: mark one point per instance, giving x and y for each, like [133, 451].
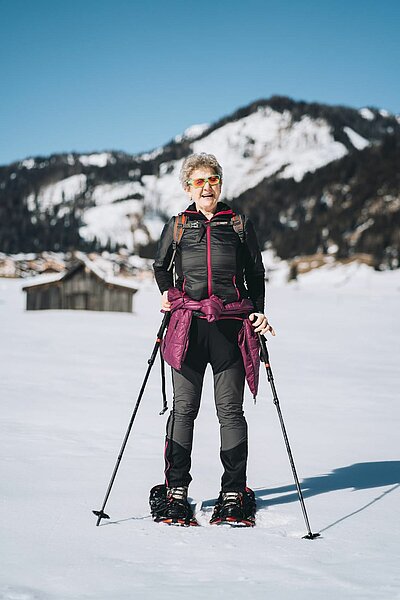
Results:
[82, 261]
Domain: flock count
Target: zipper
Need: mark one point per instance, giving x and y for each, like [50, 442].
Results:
[209, 272]
[208, 233]
[235, 286]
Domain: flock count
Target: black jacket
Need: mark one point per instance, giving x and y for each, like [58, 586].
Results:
[212, 259]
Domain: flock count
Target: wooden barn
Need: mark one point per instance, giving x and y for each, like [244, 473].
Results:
[84, 286]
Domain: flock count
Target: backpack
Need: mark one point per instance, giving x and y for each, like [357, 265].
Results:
[182, 223]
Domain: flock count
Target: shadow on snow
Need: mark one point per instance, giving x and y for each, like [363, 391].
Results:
[359, 476]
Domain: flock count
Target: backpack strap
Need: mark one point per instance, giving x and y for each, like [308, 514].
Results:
[237, 223]
[179, 228]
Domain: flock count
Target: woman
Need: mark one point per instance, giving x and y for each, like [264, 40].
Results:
[217, 310]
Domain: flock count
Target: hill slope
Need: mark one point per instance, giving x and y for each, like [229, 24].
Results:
[278, 149]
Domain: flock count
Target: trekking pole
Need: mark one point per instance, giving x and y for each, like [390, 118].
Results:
[100, 513]
[265, 360]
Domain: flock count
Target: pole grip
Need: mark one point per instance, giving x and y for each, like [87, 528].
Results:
[263, 346]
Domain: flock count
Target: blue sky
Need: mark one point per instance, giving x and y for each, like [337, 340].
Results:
[91, 75]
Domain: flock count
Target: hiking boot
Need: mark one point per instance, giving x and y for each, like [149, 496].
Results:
[170, 505]
[235, 508]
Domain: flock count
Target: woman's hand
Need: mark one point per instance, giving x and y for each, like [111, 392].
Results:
[165, 304]
[261, 324]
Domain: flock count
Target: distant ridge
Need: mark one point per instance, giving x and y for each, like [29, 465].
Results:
[314, 177]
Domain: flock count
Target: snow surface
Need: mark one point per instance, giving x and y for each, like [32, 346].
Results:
[367, 113]
[120, 219]
[356, 139]
[111, 192]
[98, 159]
[267, 141]
[56, 193]
[28, 163]
[69, 383]
[192, 132]
[112, 222]
[101, 267]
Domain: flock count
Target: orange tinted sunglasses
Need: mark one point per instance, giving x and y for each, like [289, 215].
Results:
[201, 181]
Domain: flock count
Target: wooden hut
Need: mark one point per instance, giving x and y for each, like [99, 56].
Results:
[84, 286]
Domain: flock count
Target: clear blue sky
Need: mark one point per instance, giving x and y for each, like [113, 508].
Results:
[90, 75]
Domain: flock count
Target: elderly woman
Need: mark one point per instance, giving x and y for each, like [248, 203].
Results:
[216, 299]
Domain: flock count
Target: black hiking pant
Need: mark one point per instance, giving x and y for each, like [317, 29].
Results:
[215, 343]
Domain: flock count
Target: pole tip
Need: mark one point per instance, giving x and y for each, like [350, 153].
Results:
[311, 536]
[100, 514]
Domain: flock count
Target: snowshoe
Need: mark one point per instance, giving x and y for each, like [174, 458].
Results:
[170, 506]
[237, 509]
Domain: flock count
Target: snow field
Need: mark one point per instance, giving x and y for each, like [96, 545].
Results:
[69, 383]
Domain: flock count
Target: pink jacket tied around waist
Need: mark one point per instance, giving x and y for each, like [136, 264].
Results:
[175, 344]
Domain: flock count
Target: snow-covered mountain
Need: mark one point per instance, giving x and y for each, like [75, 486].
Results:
[115, 199]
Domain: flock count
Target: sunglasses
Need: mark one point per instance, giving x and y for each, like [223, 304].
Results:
[201, 181]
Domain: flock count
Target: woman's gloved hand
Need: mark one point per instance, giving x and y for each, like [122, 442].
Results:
[261, 324]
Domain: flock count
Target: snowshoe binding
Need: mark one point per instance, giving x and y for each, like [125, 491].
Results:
[170, 506]
[237, 509]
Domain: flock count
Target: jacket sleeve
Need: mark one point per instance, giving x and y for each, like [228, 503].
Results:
[253, 267]
[164, 252]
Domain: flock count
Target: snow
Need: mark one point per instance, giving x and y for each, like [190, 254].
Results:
[356, 139]
[112, 221]
[354, 277]
[151, 155]
[164, 193]
[192, 132]
[111, 192]
[265, 142]
[98, 160]
[56, 193]
[69, 384]
[45, 278]
[367, 113]
[384, 113]
[28, 163]
[154, 225]
[101, 267]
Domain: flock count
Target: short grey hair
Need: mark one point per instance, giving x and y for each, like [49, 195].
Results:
[198, 161]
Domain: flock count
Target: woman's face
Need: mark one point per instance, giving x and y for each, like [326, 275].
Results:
[206, 198]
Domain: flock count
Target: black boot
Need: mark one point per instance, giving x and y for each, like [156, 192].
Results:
[235, 508]
[170, 505]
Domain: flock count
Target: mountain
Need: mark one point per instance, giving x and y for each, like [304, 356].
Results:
[315, 178]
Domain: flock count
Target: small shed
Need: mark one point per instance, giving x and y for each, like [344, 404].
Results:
[83, 286]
